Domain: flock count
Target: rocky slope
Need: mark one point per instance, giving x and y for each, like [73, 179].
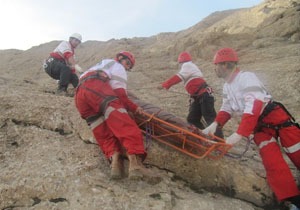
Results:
[48, 157]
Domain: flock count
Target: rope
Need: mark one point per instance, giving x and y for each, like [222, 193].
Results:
[155, 87]
[177, 92]
[148, 132]
[151, 87]
[148, 136]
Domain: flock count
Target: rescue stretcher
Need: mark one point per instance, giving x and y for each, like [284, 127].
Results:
[172, 131]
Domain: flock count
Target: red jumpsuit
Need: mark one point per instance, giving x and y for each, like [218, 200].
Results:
[271, 123]
[101, 99]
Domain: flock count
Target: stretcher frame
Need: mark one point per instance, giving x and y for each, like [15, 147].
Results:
[192, 143]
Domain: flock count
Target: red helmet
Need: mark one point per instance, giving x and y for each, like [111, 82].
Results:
[225, 54]
[184, 57]
[128, 55]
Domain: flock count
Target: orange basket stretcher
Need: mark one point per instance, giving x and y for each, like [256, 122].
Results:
[192, 143]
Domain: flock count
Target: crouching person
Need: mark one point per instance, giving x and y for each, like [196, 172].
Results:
[102, 100]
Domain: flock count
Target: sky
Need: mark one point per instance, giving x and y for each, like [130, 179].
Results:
[28, 23]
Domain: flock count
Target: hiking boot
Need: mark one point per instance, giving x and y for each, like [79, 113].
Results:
[134, 169]
[117, 166]
[137, 171]
[71, 92]
[61, 92]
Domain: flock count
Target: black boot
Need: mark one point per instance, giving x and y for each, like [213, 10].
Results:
[61, 91]
[295, 202]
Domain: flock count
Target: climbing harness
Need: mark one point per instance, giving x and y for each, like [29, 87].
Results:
[268, 109]
[196, 94]
[106, 98]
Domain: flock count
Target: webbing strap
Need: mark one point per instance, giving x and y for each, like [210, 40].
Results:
[148, 136]
[92, 118]
[279, 126]
[93, 76]
[268, 109]
[97, 73]
[271, 106]
[204, 85]
[102, 105]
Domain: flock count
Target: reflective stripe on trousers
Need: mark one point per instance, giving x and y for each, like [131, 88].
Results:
[101, 119]
[291, 149]
[265, 143]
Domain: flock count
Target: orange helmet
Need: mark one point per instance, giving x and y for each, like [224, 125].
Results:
[225, 54]
[128, 55]
[184, 57]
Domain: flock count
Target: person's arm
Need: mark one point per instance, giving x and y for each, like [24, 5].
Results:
[248, 123]
[220, 121]
[171, 81]
[222, 117]
[249, 120]
[72, 63]
[122, 95]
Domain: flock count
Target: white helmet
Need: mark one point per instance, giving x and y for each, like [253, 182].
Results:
[76, 36]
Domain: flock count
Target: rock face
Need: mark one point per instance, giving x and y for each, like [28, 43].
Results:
[48, 157]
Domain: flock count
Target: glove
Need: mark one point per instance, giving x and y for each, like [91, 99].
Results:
[139, 110]
[160, 87]
[211, 129]
[234, 138]
[78, 68]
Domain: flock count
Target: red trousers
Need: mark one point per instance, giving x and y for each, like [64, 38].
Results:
[279, 175]
[115, 130]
